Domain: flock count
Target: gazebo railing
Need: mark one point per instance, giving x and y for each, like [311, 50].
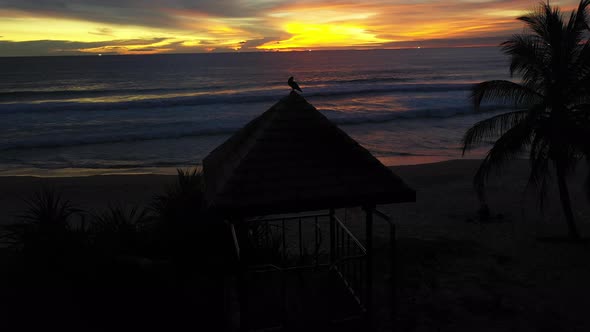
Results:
[280, 245]
[288, 242]
[393, 262]
[349, 261]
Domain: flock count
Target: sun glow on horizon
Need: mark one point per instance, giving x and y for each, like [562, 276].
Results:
[305, 36]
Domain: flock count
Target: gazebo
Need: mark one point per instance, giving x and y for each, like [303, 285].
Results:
[278, 183]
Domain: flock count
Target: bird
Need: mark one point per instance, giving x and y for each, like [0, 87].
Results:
[294, 86]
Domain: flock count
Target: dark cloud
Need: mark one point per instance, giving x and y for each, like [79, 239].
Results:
[208, 42]
[43, 47]
[128, 42]
[222, 50]
[62, 47]
[250, 45]
[102, 32]
[118, 12]
[156, 13]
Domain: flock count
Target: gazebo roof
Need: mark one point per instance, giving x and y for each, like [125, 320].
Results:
[293, 159]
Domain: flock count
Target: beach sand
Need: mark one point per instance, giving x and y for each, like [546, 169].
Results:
[455, 273]
[495, 276]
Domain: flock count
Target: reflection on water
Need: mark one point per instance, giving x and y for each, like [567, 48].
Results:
[171, 110]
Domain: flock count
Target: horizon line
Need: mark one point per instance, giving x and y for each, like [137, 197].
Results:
[255, 51]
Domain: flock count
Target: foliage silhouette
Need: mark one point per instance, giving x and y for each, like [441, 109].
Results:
[111, 270]
[45, 228]
[120, 230]
[185, 229]
[179, 210]
[552, 120]
[183, 201]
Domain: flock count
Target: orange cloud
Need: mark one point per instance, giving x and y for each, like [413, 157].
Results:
[208, 25]
[366, 25]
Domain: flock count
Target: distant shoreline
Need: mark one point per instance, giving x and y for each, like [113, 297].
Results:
[86, 172]
[494, 44]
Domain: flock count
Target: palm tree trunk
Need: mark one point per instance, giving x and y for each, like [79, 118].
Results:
[566, 202]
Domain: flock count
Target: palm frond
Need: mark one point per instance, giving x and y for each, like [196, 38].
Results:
[527, 56]
[508, 146]
[491, 128]
[584, 146]
[542, 19]
[580, 112]
[580, 66]
[579, 87]
[504, 92]
[553, 59]
[578, 23]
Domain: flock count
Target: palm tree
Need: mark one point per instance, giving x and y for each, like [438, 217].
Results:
[551, 120]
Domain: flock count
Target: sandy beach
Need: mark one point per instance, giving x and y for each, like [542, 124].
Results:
[445, 197]
[455, 273]
[493, 276]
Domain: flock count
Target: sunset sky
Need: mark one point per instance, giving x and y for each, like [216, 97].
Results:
[56, 27]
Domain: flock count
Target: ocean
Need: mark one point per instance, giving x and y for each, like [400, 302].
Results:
[154, 113]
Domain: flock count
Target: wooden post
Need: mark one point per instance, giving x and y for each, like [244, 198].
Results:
[393, 244]
[332, 236]
[242, 234]
[369, 235]
[284, 302]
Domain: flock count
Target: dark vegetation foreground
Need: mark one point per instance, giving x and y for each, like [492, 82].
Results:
[513, 272]
[152, 268]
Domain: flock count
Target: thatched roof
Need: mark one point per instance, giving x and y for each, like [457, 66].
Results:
[293, 159]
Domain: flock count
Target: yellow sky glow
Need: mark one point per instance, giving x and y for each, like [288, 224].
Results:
[322, 35]
[278, 25]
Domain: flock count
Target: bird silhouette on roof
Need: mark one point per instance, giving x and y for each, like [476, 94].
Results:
[294, 86]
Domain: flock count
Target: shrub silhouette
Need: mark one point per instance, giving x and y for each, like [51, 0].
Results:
[185, 228]
[120, 230]
[45, 227]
